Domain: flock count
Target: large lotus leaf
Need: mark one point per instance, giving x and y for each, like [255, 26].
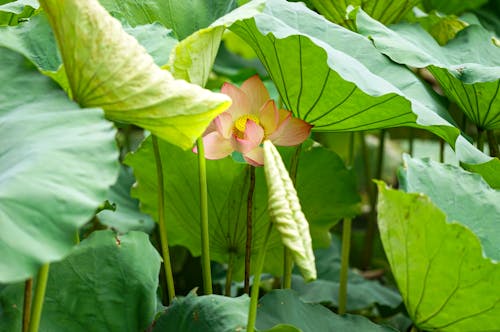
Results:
[107, 67]
[35, 40]
[467, 68]
[108, 283]
[385, 11]
[446, 282]
[126, 217]
[192, 59]
[286, 213]
[184, 17]
[284, 306]
[463, 196]
[211, 313]
[11, 12]
[452, 6]
[227, 188]
[57, 163]
[361, 294]
[332, 77]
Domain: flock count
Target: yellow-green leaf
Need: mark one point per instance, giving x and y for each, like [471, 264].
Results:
[108, 68]
[286, 212]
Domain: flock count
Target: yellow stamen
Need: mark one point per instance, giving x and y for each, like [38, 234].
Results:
[241, 123]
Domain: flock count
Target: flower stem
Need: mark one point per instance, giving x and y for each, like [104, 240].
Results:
[492, 143]
[287, 256]
[229, 274]
[205, 236]
[441, 151]
[248, 245]
[371, 230]
[28, 288]
[161, 222]
[252, 312]
[411, 140]
[344, 267]
[480, 140]
[41, 285]
[346, 245]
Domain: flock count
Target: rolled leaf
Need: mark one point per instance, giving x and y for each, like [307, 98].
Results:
[108, 68]
[285, 211]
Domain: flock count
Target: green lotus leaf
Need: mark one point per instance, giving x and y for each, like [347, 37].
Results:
[467, 68]
[210, 313]
[385, 11]
[478, 209]
[12, 12]
[285, 307]
[192, 59]
[57, 163]
[108, 68]
[322, 181]
[361, 294]
[452, 6]
[286, 213]
[35, 40]
[332, 77]
[438, 264]
[126, 217]
[107, 283]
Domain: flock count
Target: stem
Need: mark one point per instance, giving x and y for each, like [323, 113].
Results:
[346, 245]
[248, 245]
[344, 268]
[412, 141]
[28, 288]
[41, 285]
[77, 236]
[229, 274]
[441, 151]
[372, 222]
[287, 256]
[492, 143]
[480, 139]
[205, 236]
[252, 312]
[161, 222]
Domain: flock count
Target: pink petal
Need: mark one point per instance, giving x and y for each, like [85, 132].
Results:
[252, 138]
[224, 124]
[240, 102]
[255, 157]
[292, 131]
[269, 117]
[216, 146]
[256, 92]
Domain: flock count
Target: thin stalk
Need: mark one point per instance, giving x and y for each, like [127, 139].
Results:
[248, 245]
[412, 141]
[287, 256]
[492, 143]
[205, 237]
[252, 311]
[28, 289]
[229, 274]
[346, 245]
[77, 236]
[371, 230]
[41, 285]
[161, 222]
[344, 267]
[480, 139]
[441, 151]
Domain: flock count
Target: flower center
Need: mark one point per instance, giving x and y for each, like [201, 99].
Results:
[241, 124]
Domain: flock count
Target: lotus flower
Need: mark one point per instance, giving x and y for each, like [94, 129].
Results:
[252, 118]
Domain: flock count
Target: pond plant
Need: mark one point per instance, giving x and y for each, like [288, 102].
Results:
[263, 165]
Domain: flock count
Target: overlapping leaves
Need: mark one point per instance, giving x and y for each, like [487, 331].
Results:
[107, 67]
[440, 264]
